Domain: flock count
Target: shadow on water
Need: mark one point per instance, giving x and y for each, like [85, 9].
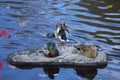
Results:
[86, 73]
[92, 21]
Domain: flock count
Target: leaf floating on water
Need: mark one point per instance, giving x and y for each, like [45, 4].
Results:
[8, 7]
[110, 6]
[1, 65]
[22, 24]
[8, 42]
[3, 32]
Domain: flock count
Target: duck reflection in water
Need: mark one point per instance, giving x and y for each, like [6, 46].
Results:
[52, 72]
[79, 74]
[87, 73]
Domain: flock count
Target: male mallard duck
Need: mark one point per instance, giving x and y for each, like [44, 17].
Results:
[61, 32]
[87, 50]
[51, 50]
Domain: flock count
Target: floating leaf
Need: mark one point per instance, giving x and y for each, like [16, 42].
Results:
[22, 24]
[6, 34]
[1, 65]
[3, 32]
[110, 6]
[8, 42]
[8, 7]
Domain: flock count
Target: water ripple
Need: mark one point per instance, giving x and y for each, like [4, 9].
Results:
[93, 21]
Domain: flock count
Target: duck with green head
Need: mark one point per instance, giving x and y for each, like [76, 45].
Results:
[51, 50]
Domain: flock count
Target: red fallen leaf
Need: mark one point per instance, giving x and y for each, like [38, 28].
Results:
[3, 32]
[1, 65]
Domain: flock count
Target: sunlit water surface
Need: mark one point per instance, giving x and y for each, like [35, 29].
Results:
[92, 21]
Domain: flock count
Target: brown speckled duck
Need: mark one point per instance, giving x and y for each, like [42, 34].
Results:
[87, 50]
[51, 50]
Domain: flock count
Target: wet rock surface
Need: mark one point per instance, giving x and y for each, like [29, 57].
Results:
[68, 57]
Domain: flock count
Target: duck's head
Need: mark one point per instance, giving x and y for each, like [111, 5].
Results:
[51, 50]
[62, 26]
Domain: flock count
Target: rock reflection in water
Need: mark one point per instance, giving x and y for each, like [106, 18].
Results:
[86, 73]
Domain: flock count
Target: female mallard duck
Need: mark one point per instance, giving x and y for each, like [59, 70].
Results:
[87, 50]
[51, 50]
[61, 32]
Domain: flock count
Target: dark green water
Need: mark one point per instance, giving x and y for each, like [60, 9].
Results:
[94, 21]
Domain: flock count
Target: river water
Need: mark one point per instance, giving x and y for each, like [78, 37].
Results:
[92, 21]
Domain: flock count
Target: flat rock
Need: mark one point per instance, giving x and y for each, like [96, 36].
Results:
[68, 57]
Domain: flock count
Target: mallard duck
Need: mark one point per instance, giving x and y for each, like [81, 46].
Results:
[87, 50]
[61, 32]
[51, 50]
